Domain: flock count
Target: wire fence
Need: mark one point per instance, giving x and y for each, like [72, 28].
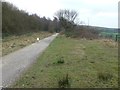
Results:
[114, 36]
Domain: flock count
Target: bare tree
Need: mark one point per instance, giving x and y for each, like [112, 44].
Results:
[69, 15]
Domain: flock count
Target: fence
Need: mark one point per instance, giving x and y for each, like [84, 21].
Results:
[114, 36]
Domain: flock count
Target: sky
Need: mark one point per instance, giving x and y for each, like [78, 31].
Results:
[102, 13]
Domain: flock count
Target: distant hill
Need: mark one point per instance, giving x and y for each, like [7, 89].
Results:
[102, 29]
[109, 30]
[111, 33]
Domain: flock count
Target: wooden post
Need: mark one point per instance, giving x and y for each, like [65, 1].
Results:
[116, 38]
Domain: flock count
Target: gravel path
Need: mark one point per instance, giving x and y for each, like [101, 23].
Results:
[15, 63]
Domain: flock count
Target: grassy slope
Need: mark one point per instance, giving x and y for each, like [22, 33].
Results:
[84, 62]
[13, 43]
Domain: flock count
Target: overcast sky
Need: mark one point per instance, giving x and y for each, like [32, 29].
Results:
[97, 12]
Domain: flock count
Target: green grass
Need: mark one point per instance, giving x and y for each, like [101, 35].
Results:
[13, 43]
[85, 64]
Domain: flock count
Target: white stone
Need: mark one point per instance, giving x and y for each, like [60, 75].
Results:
[38, 39]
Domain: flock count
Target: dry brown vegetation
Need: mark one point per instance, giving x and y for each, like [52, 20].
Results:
[109, 43]
[13, 43]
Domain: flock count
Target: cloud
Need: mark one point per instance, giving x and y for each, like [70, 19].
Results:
[107, 14]
[100, 2]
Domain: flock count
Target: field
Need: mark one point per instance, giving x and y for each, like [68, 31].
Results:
[13, 43]
[109, 35]
[74, 63]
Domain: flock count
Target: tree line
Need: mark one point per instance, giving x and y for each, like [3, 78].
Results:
[17, 22]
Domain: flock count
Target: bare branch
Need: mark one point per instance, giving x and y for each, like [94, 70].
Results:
[67, 14]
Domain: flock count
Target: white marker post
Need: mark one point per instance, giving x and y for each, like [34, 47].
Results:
[38, 39]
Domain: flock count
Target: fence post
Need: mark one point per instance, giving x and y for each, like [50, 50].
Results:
[116, 38]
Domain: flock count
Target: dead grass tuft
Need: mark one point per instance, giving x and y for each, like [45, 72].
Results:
[109, 43]
[13, 43]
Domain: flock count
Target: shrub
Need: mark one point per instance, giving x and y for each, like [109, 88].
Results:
[104, 76]
[64, 82]
[60, 60]
[82, 32]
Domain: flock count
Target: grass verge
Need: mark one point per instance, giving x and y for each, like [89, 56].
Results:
[73, 63]
[13, 43]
